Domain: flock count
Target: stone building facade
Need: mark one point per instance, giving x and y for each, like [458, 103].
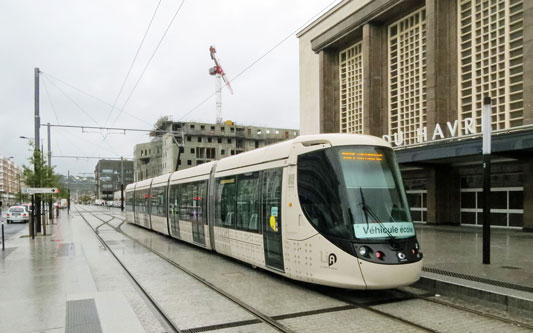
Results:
[416, 72]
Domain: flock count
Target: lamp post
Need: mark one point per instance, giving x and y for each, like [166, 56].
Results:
[486, 124]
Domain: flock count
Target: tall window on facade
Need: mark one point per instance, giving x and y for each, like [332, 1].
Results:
[407, 78]
[491, 61]
[351, 89]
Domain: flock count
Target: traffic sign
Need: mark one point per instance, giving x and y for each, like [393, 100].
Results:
[40, 190]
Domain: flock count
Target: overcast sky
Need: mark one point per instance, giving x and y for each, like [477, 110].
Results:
[89, 45]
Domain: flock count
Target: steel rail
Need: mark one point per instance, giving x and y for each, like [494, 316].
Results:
[343, 298]
[263, 317]
[153, 302]
[255, 311]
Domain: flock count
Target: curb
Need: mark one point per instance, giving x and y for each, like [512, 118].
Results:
[512, 304]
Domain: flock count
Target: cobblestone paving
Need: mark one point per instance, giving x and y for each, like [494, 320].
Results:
[356, 320]
[445, 319]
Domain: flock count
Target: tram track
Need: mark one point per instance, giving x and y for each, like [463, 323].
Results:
[274, 320]
[166, 318]
[261, 316]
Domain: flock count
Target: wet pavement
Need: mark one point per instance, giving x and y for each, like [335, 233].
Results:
[458, 250]
[12, 229]
[67, 280]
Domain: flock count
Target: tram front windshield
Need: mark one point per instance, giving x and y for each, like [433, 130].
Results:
[354, 192]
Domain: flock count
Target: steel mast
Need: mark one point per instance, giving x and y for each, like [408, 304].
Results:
[219, 74]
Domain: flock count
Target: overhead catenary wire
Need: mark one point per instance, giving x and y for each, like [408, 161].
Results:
[132, 63]
[94, 157]
[253, 63]
[149, 61]
[50, 76]
[114, 128]
[85, 112]
[75, 103]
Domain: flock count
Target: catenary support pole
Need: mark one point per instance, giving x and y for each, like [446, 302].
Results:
[50, 211]
[486, 124]
[32, 223]
[68, 200]
[121, 184]
[36, 168]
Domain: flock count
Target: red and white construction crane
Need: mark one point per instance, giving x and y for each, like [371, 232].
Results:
[219, 74]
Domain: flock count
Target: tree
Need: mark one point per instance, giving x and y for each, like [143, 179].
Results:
[39, 174]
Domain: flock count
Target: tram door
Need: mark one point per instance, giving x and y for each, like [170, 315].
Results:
[199, 194]
[271, 211]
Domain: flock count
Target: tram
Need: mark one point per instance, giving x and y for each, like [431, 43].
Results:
[327, 209]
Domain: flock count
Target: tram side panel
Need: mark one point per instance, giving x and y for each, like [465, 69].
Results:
[248, 217]
[309, 256]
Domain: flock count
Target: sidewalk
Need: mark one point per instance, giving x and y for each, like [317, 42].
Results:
[453, 264]
[67, 282]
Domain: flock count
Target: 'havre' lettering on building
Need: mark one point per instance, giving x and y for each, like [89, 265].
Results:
[468, 127]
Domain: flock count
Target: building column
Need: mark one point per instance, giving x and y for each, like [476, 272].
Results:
[528, 61]
[375, 88]
[441, 60]
[528, 196]
[443, 193]
[329, 91]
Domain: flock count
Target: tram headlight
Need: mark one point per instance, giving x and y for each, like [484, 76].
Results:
[417, 246]
[363, 251]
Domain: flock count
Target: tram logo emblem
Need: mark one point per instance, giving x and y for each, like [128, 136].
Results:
[332, 258]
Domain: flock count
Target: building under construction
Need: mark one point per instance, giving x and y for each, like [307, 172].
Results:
[181, 145]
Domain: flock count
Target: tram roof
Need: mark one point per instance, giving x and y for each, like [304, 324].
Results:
[282, 150]
[144, 184]
[200, 170]
[163, 179]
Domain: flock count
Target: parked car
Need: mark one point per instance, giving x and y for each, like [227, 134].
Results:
[17, 214]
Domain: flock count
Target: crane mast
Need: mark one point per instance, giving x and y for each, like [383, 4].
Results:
[219, 75]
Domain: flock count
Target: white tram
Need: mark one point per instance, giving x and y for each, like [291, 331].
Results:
[327, 209]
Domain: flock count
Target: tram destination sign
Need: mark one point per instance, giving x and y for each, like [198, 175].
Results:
[40, 190]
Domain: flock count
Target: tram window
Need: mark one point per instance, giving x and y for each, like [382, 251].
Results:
[225, 202]
[184, 201]
[201, 203]
[248, 202]
[158, 201]
[130, 201]
[320, 200]
[173, 215]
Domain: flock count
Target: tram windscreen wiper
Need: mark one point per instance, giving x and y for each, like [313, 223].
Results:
[368, 211]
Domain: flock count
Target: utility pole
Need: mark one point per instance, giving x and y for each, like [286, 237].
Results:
[486, 127]
[50, 211]
[68, 200]
[37, 123]
[121, 184]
